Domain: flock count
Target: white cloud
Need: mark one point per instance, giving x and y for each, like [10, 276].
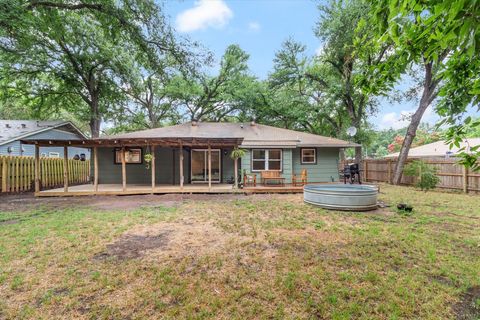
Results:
[204, 14]
[253, 26]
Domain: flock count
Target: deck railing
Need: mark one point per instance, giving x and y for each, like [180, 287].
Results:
[17, 173]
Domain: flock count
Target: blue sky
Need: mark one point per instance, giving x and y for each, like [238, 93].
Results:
[259, 27]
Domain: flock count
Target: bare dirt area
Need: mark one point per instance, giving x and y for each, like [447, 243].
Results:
[469, 305]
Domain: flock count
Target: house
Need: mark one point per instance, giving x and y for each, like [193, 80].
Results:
[12, 132]
[439, 149]
[195, 157]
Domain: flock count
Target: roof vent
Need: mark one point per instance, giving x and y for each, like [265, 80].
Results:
[23, 125]
[241, 125]
[7, 125]
[252, 123]
[194, 123]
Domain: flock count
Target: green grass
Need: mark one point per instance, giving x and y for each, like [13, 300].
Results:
[245, 257]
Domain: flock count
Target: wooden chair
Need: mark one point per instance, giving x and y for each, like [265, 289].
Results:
[249, 179]
[301, 179]
[272, 175]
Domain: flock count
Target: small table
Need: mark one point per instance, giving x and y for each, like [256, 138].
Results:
[281, 184]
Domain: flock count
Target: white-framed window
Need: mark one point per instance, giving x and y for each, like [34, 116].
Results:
[54, 155]
[309, 155]
[266, 159]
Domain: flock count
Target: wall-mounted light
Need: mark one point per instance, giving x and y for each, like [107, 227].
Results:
[10, 149]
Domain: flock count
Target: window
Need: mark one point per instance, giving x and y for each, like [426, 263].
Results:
[54, 155]
[266, 159]
[309, 156]
[132, 155]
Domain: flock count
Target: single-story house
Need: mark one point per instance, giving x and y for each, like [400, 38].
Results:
[195, 157]
[439, 149]
[12, 132]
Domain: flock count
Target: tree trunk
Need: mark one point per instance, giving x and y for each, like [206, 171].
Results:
[95, 119]
[428, 95]
[358, 155]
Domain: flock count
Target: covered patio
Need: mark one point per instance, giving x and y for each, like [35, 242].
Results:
[181, 144]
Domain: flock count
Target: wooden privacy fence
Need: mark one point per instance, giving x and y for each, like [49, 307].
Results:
[452, 175]
[17, 174]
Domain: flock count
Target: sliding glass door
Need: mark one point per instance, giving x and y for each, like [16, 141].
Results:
[199, 165]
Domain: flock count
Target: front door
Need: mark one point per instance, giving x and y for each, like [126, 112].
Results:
[199, 165]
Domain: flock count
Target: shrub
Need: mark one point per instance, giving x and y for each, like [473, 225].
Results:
[426, 175]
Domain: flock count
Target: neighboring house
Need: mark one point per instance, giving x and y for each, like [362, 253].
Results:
[267, 148]
[13, 131]
[439, 149]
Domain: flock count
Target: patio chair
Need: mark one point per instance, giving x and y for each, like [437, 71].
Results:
[301, 179]
[249, 179]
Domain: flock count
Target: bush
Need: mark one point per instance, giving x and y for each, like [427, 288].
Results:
[426, 175]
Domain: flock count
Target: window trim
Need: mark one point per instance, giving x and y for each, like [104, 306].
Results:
[126, 162]
[314, 156]
[266, 160]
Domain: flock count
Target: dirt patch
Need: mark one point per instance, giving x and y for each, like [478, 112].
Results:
[468, 308]
[131, 246]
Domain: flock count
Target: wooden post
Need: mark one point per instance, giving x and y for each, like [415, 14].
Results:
[181, 166]
[465, 179]
[4, 174]
[365, 178]
[124, 171]
[235, 166]
[209, 168]
[65, 169]
[95, 169]
[389, 178]
[37, 168]
[153, 168]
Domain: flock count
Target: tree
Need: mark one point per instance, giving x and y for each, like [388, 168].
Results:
[297, 102]
[446, 32]
[204, 97]
[72, 56]
[350, 62]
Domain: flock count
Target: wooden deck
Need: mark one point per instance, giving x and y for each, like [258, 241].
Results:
[116, 189]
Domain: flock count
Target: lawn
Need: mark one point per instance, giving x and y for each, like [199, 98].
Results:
[238, 257]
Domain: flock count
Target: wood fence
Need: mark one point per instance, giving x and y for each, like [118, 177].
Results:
[452, 175]
[17, 174]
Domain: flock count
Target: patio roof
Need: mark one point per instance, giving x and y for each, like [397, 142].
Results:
[132, 142]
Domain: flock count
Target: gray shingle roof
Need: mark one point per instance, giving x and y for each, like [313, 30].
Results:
[18, 129]
[256, 135]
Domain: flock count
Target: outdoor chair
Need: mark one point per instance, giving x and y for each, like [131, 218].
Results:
[249, 179]
[301, 179]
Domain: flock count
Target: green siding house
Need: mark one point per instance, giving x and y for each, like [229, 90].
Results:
[195, 157]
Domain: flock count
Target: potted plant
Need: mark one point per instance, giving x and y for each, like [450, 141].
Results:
[148, 159]
[236, 154]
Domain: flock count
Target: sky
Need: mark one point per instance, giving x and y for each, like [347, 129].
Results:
[260, 27]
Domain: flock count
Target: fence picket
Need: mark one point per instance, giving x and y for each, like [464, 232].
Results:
[18, 172]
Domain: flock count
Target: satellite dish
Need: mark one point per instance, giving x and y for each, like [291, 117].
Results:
[351, 131]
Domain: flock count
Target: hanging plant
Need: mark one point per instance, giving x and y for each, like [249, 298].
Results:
[148, 159]
[236, 154]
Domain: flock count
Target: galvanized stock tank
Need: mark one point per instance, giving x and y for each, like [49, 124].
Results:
[346, 197]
